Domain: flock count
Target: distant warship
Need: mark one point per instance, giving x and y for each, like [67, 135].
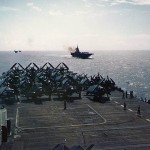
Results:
[83, 55]
[16, 51]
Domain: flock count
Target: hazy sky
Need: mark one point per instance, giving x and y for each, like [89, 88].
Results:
[92, 24]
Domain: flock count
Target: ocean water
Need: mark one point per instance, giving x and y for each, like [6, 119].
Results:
[129, 69]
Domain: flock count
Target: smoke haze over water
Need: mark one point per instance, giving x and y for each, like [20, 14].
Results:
[71, 49]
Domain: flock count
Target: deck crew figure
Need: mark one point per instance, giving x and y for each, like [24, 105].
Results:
[139, 110]
[131, 94]
[65, 97]
[124, 105]
[65, 105]
[123, 95]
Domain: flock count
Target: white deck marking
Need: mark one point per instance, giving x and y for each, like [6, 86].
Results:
[98, 114]
[112, 128]
[17, 116]
[148, 120]
[130, 109]
[121, 105]
[76, 125]
[116, 102]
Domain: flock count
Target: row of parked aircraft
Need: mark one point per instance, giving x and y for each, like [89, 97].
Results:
[33, 81]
